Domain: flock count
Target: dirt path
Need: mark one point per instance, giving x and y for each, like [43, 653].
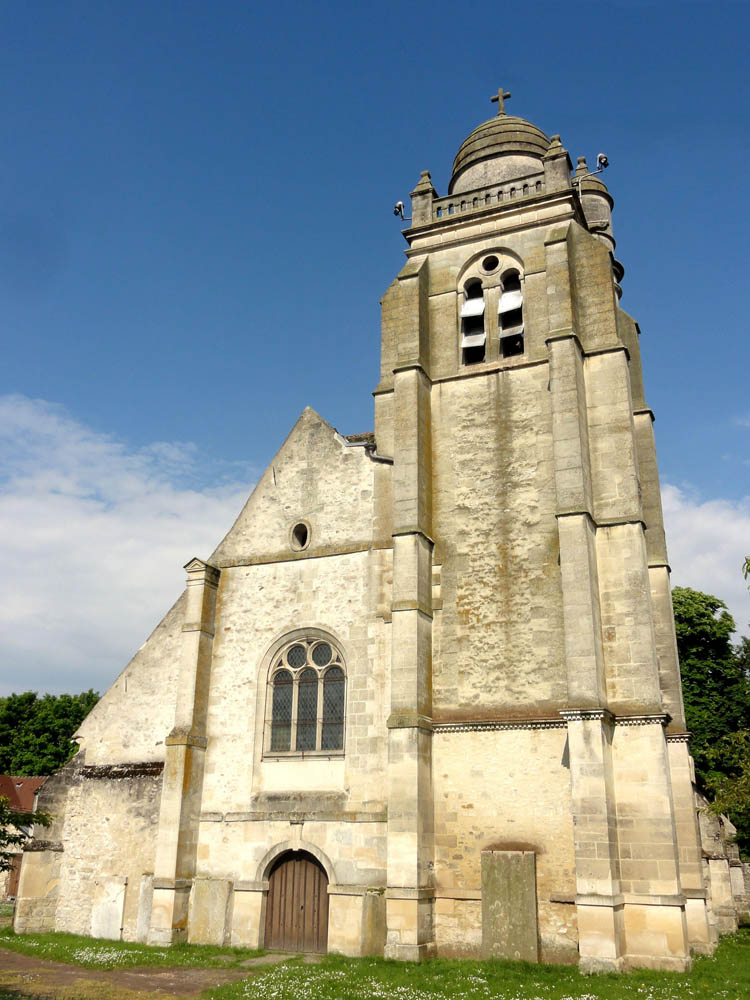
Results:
[32, 977]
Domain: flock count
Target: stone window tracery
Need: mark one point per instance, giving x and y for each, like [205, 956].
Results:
[306, 699]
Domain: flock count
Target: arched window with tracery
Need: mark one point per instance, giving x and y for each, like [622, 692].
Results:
[306, 700]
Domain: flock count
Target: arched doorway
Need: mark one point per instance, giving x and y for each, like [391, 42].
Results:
[297, 904]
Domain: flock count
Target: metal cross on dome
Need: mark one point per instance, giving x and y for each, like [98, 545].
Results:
[500, 98]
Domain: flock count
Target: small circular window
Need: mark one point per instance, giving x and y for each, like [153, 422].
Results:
[300, 535]
[490, 263]
[322, 654]
[296, 656]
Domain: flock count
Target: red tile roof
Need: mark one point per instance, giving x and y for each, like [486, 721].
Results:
[20, 791]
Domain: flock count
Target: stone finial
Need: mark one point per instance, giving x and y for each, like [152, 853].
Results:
[581, 167]
[424, 183]
[421, 200]
[557, 166]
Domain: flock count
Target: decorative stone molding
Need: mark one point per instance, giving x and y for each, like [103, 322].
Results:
[179, 738]
[613, 349]
[658, 719]
[499, 724]
[679, 737]
[639, 899]
[43, 845]
[247, 886]
[588, 715]
[196, 569]
[308, 816]
[406, 892]
[409, 720]
[297, 844]
[355, 890]
[453, 893]
[177, 884]
[109, 772]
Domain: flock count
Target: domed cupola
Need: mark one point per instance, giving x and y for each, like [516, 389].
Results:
[500, 149]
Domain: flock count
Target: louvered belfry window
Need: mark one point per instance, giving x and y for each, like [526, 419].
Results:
[307, 699]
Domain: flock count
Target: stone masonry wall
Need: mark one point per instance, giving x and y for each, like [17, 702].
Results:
[109, 832]
[502, 790]
[498, 641]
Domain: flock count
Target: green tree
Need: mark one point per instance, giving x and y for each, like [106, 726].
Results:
[14, 830]
[715, 682]
[35, 733]
[728, 782]
[716, 689]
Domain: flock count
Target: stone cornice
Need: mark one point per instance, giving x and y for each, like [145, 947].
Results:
[470, 726]
[114, 772]
[588, 715]
[409, 720]
[678, 737]
[326, 552]
[655, 719]
[611, 349]
[43, 845]
[181, 738]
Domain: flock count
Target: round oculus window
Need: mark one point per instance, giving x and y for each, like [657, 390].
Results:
[300, 535]
[490, 263]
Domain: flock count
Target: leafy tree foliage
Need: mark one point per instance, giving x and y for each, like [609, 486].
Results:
[14, 830]
[716, 689]
[35, 733]
[715, 681]
[728, 782]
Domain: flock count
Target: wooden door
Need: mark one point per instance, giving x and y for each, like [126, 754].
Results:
[297, 905]
[15, 875]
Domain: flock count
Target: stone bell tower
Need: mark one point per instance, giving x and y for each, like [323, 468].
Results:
[535, 699]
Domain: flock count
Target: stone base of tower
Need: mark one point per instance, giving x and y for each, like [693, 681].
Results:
[169, 911]
[617, 935]
[601, 938]
[409, 922]
[656, 936]
[700, 938]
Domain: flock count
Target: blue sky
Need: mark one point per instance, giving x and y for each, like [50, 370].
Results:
[196, 227]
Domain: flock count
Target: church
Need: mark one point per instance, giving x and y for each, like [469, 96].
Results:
[424, 697]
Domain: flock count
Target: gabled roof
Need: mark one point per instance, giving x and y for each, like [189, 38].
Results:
[20, 791]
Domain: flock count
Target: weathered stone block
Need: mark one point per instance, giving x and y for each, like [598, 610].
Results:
[509, 927]
[209, 919]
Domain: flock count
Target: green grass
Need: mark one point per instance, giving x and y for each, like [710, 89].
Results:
[6, 909]
[725, 976]
[100, 953]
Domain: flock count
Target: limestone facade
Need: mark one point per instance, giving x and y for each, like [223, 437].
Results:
[489, 571]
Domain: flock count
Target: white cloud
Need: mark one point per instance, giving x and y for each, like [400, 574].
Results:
[95, 535]
[707, 542]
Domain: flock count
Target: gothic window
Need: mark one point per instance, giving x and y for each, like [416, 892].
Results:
[510, 315]
[306, 699]
[473, 334]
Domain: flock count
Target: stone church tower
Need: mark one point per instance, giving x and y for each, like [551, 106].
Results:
[424, 697]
